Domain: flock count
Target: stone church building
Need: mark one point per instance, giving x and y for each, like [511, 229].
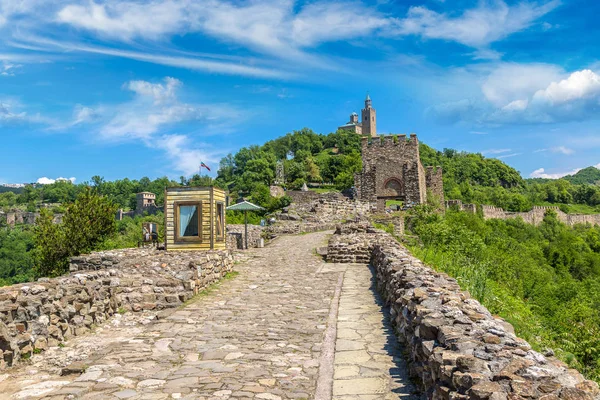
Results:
[392, 170]
[368, 123]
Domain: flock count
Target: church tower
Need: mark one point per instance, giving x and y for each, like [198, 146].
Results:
[369, 118]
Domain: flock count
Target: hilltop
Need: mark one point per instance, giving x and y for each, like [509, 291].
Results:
[589, 175]
[328, 162]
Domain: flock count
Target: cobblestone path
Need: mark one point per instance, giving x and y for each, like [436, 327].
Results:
[368, 361]
[269, 333]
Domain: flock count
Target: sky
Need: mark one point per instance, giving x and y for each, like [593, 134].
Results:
[152, 88]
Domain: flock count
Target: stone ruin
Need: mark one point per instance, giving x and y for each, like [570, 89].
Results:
[535, 216]
[34, 316]
[392, 170]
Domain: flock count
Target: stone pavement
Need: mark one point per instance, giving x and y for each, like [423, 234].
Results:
[368, 360]
[269, 333]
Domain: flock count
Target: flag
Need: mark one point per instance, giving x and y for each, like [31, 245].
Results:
[204, 165]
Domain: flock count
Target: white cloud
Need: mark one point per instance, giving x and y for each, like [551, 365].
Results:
[516, 105]
[273, 26]
[562, 150]
[541, 173]
[155, 110]
[496, 151]
[183, 154]
[7, 68]
[508, 155]
[83, 114]
[156, 107]
[7, 115]
[526, 94]
[213, 63]
[159, 92]
[511, 82]
[47, 181]
[478, 27]
[127, 20]
[579, 85]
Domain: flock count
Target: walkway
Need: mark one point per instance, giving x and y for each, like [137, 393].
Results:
[264, 335]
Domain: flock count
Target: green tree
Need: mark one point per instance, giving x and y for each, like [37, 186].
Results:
[86, 224]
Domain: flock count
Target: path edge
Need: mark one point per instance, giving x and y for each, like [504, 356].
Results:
[324, 390]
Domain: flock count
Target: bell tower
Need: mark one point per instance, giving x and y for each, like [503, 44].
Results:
[369, 118]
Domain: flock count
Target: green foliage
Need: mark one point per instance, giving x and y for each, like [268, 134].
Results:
[16, 258]
[237, 217]
[473, 178]
[129, 232]
[86, 224]
[545, 280]
[589, 175]
[307, 156]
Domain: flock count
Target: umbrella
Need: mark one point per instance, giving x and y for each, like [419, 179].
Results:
[245, 206]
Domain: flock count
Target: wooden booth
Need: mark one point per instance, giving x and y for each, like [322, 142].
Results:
[194, 218]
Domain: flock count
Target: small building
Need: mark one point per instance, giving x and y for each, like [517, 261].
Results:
[194, 218]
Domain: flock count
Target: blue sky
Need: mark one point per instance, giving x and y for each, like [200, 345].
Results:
[151, 88]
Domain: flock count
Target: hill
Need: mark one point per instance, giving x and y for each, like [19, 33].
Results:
[331, 160]
[589, 175]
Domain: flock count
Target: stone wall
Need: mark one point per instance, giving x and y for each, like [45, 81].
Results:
[236, 232]
[13, 218]
[44, 313]
[456, 348]
[535, 216]
[397, 222]
[299, 196]
[325, 208]
[353, 243]
[435, 185]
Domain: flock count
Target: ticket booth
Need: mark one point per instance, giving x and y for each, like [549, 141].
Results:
[194, 218]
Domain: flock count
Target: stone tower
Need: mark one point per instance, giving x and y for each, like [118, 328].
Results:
[143, 200]
[369, 118]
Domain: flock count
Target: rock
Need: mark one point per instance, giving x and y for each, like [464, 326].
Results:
[41, 344]
[570, 393]
[484, 390]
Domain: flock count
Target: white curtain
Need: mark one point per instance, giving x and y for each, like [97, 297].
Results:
[185, 215]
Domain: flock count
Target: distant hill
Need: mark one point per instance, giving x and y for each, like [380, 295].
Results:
[589, 175]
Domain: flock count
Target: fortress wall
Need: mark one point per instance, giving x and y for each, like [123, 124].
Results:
[434, 183]
[456, 348]
[534, 217]
[13, 218]
[44, 313]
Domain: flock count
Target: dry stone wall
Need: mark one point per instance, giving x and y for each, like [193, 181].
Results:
[534, 217]
[325, 208]
[457, 349]
[236, 233]
[41, 314]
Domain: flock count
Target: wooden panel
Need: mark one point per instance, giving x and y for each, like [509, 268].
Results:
[208, 217]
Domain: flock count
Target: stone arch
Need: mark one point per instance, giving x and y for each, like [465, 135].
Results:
[393, 188]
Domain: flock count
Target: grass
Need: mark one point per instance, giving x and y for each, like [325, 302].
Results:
[575, 208]
[121, 310]
[393, 202]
